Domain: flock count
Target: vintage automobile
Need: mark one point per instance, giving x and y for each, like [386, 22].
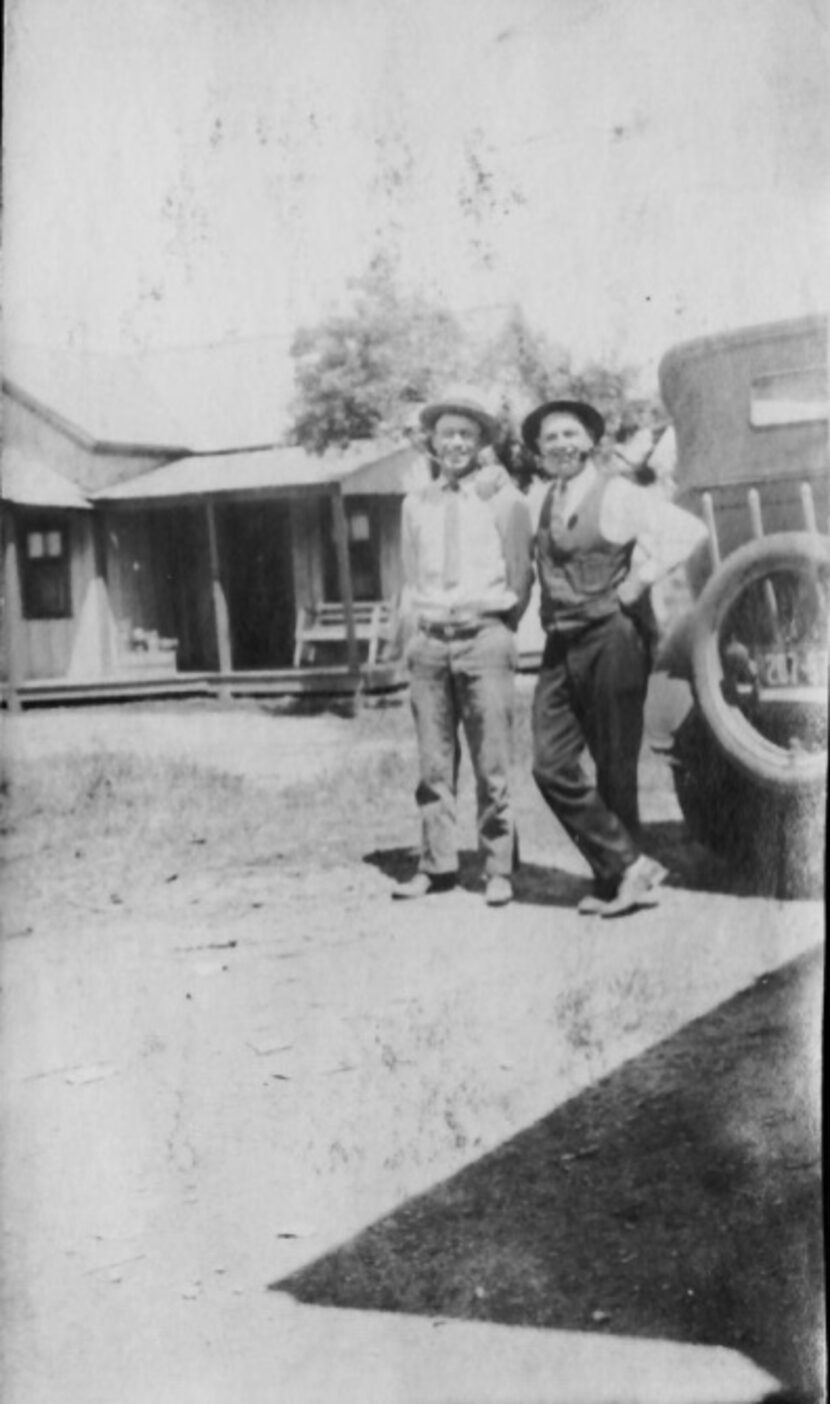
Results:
[749, 411]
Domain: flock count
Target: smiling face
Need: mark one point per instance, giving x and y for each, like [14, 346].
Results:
[564, 445]
[455, 443]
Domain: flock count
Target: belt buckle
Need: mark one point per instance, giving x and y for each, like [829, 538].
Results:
[449, 629]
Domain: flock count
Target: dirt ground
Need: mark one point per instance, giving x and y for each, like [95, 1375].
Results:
[238, 1077]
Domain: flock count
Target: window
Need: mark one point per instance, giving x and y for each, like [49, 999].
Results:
[364, 552]
[45, 570]
[359, 527]
[789, 397]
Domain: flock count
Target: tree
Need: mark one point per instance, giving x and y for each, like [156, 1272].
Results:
[520, 366]
[607, 389]
[362, 374]
[365, 373]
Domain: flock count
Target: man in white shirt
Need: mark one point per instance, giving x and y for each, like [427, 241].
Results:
[467, 556]
[601, 543]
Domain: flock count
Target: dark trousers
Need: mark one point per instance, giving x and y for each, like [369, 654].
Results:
[591, 694]
[464, 684]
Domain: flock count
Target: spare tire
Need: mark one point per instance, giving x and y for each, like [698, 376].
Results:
[759, 653]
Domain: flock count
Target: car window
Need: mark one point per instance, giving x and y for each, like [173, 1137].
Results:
[788, 397]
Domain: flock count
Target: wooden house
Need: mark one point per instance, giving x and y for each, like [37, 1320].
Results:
[158, 540]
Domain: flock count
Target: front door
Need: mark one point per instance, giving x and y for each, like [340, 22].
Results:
[256, 549]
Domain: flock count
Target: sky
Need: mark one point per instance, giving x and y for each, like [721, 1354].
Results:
[632, 173]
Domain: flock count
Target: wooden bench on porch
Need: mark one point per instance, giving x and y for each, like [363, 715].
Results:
[326, 624]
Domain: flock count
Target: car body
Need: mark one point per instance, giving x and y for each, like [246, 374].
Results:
[749, 411]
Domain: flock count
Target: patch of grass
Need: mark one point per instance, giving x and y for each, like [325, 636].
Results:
[361, 787]
[130, 819]
[140, 818]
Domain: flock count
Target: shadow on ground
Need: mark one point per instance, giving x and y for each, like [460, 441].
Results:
[313, 705]
[551, 887]
[332, 704]
[691, 867]
[679, 1198]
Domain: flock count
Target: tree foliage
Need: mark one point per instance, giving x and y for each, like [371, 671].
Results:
[519, 365]
[365, 373]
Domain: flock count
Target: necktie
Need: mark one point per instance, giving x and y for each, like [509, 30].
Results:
[452, 538]
[557, 507]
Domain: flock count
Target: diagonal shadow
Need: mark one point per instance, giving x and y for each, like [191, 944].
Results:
[678, 1198]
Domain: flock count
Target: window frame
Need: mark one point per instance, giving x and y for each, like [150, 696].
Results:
[789, 407]
[45, 578]
[364, 551]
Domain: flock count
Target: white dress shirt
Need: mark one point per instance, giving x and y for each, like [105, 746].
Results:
[483, 586]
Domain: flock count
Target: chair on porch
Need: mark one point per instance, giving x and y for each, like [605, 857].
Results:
[325, 624]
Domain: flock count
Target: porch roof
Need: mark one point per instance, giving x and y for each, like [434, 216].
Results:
[29, 482]
[369, 467]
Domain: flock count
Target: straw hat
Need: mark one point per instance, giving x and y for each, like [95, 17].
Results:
[461, 402]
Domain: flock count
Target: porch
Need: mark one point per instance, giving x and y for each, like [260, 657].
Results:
[329, 681]
[212, 576]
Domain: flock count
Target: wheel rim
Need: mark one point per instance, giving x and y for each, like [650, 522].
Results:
[768, 656]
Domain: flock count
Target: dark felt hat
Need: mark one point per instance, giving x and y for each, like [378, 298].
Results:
[460, 404]
[589, 418]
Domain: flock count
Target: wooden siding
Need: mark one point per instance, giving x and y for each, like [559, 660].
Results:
[183, 540]
[131, 574]
[94, 638]
[159, 579]
[72, 646]
[150, 571]
[307, 551]
[391, 565]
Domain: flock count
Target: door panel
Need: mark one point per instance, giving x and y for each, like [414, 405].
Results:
[257, 566]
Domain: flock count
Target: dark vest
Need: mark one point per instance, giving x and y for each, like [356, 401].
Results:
[579, 570]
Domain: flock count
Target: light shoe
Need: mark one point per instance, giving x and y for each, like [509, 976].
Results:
[593, 904]
[423, 885]
[638, 888]
[498, 891]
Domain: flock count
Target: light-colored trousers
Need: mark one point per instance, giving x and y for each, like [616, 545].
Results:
[468, 684]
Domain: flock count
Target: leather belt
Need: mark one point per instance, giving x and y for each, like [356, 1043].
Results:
[464, 629]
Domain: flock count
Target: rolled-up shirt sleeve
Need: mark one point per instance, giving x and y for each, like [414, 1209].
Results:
[664, 535]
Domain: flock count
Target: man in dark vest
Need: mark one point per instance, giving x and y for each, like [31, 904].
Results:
[601, 543]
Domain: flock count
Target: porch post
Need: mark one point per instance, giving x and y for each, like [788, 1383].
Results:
[13, 612]
[99, 548]
[220, 604]
[341, 544]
